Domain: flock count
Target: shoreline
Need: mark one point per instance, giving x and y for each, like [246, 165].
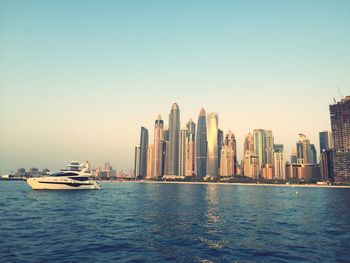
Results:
[233, 184]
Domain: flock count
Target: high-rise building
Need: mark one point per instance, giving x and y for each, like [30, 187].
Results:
[174, 132]
[142, 171]
[201, 144]
[234, 147]
[325, 141]
[220, 142]
[166, 134]
[313, 154]
[340, 124]
[158, 151]
[326, 163]
[304, 154]
[165, 157]
[293, 157]
[269, 146]
[278, 148]
[182, 151]
[150, 162]
[212, 139]
[260, 145]
[279, 162]
[190, 149]
[248, 143]
[137, 161]
[251, 164]
[227, 160]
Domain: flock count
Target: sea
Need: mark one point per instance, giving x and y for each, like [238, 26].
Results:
[157, 222]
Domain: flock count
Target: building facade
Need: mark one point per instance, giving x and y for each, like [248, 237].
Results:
[201, 145]
[340, 124]
[212, 145]
[190, 148]
[142, 171]
[174, 132]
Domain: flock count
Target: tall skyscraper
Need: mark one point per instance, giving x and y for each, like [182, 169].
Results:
[220, 142]
[260, 145]
[150, 162]
[212, 139]
[158, 148]
[248, 143]
[137, 161]
[142, 172]
[279, 163]
[174, 132]
[165, 157]
[227, 164]
[304, 154]
[293, 157]
[201, 144]
[166, 134]
[234, 147]
[182, 151]
[269, 147]
[190, 148]
[340, 123]
[326, 142]
[313, 154]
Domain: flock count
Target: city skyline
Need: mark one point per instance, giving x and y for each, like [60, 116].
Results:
[77, 80]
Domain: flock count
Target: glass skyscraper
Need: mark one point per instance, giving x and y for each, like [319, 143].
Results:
[201, 144]
[143, 153]
[260, 145]
[174, 132]
[212, 139]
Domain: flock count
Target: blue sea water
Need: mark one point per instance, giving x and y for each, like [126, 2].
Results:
[140, 222]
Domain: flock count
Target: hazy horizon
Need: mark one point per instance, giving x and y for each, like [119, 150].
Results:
[78, 79]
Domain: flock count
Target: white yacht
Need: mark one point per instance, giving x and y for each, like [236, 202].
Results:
[75, 177]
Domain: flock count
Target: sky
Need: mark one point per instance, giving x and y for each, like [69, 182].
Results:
[79, 78]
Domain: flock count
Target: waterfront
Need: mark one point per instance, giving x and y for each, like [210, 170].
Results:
[152, 222]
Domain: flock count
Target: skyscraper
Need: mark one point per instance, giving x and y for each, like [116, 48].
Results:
[248, 143]
[279, 162]
[340, 123]
[325, 141]
[158, 148]
[227, 164]
[137, 161]
[293, 157]
[201, 144]
[174, 132]
[220, 142]
[182, 151]
[142, 172]
[165, 157]
[212, 139]
[313, 154]
[304, 154]
[150, 162]
[190, 148]
[269, 147]
[234, 147]
[260, 145]
[251, 164]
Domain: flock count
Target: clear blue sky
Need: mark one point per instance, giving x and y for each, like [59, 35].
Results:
[79, 78]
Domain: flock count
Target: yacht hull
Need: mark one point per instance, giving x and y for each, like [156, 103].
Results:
[45, 184]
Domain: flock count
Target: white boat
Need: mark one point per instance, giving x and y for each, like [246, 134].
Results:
[72, 179]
